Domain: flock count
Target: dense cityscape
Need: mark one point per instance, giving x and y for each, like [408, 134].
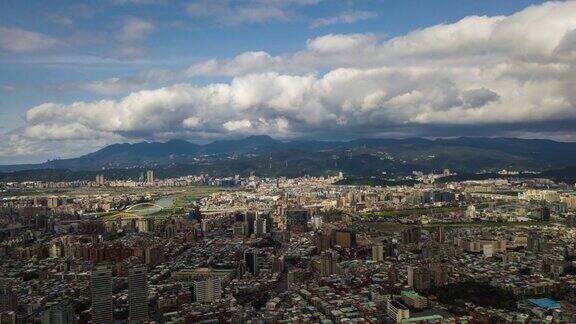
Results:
[275, 250]
[287, 161]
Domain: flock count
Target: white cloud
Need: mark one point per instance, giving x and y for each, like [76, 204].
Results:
[191, 122]
[7, 88]
[249, 62]
[134, 30]
[118, 85]
[230, 12]
[131, 36]
[18, 40]
[347, 17]
[136, 2]
[478, 71]
[237, 124]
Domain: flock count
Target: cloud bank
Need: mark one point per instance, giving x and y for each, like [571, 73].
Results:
[479, 72]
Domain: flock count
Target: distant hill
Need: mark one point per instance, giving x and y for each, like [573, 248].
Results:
[267, 156]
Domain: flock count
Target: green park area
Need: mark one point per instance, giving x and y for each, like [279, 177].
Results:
[395, 227]
[165, 206]
[415, 211]
[479, 294]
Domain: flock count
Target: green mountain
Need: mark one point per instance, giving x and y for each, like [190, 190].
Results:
[266, 156]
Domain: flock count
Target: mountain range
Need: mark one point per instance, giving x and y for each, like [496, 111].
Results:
[264, 155]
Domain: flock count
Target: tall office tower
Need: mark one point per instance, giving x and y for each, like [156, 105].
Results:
[208, 290]
[100, 179]
[471, 212]
[419, 278]
[259, 227]
[411, 235]
[535, 242]
[378, 252]
[322, 242]
[345, 238]
[278, 264]
[154, 255]
[150, 176]
[138, 295]
[440, 234]
[317, 222]
[262, 224]
[392, 276]
[101, 285]
[545, 213]
[570, 220]
[241, 268]
[251, 259]
[329, 263]
[249, 220]
[439, 274]
[8, 297]
[61, 312]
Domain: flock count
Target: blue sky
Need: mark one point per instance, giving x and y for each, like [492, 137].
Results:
[55, 53]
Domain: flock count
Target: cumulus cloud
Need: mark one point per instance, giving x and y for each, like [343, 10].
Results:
[137, 2]
[118, 85]
[347, 17]
[18, 40]
[227, 12]
[134, 29]
[131, 35]
[7, 88]
[489, 72]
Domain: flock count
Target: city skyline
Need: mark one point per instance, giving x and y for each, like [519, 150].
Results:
[82, 76]
[287, 161]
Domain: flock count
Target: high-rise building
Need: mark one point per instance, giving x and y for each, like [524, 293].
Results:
[207, 290]
[471, 212]
[8, 297]
[58, 313]
[329, 263]
[545, 213]
[100, 179]
[150, 176]
[439, 274]
[154, 255]
[263, 224]
[251, 259]
[419, 278]
[571, 220]
[101, 286]
[441, 234]
[8, 317]
[277, 264]
[393, 276]
[322, 242]
[378, 252]
[345, 238]
[317, 222]
[411, 235]
[535, 242]
[138, 295]
[249, 221]
[397, 310]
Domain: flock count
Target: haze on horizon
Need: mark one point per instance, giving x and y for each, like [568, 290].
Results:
[76, 77]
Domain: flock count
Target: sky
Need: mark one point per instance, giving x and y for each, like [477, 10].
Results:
[79, 75]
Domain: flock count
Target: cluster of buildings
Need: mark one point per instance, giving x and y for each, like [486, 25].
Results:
[301, 250]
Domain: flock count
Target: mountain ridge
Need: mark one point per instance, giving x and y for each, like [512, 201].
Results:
[468, 154]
